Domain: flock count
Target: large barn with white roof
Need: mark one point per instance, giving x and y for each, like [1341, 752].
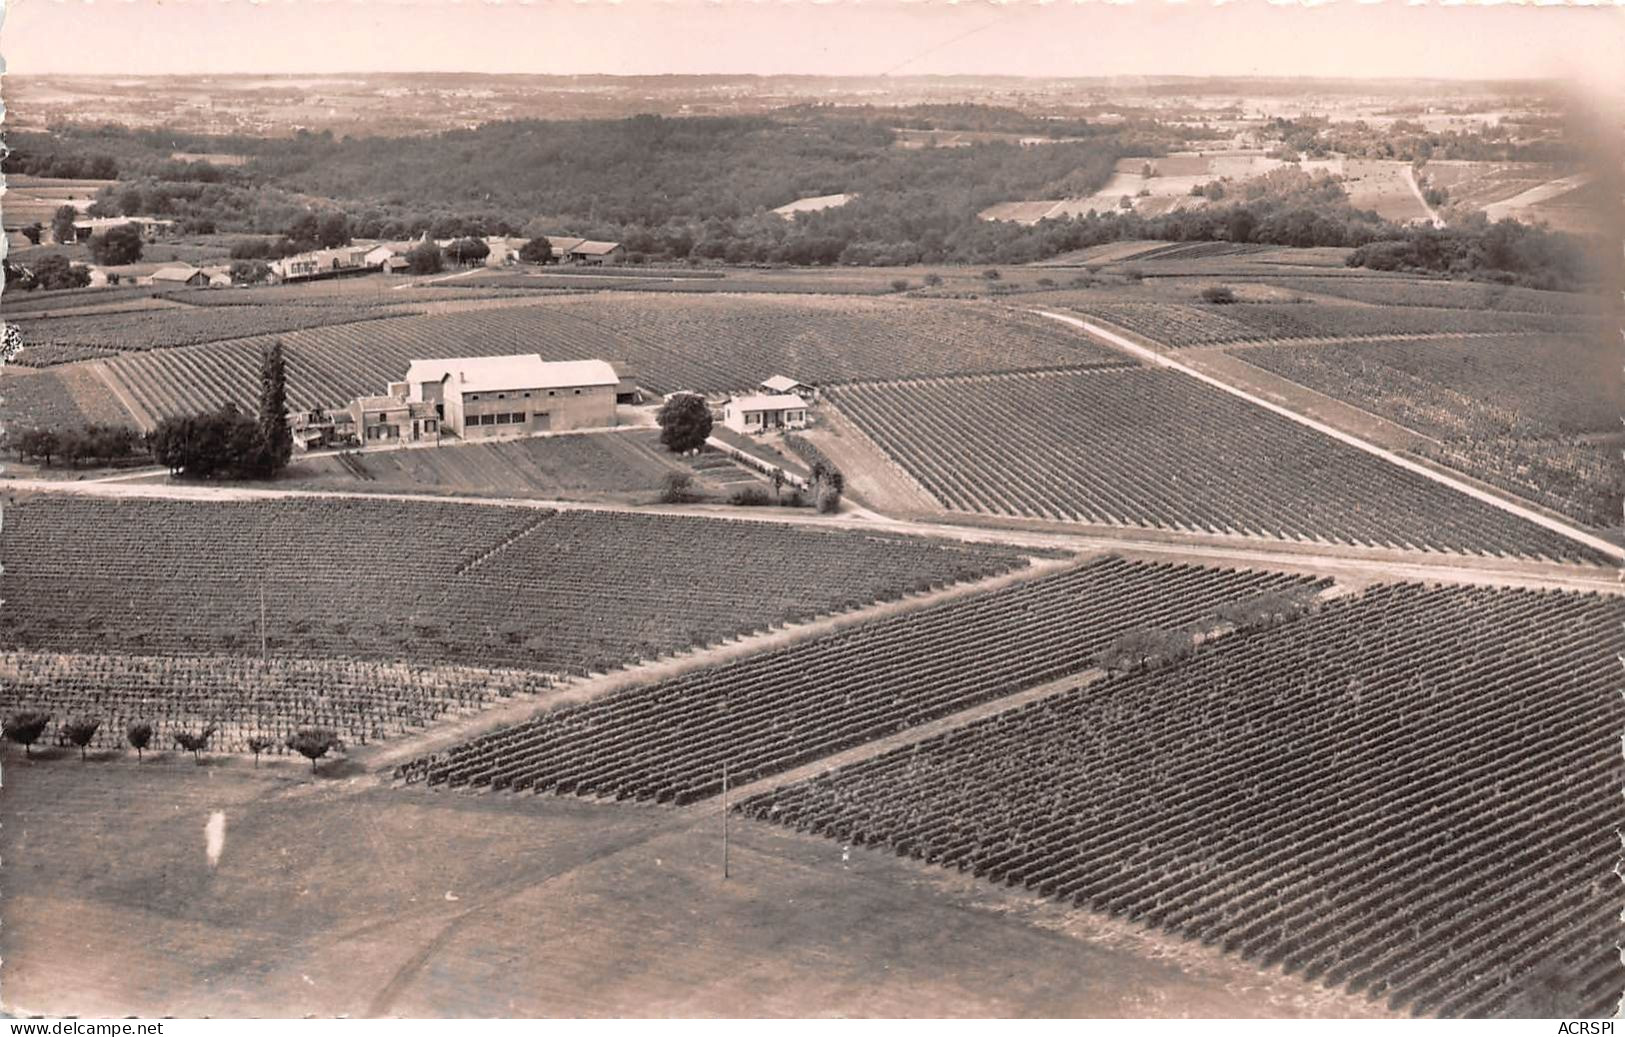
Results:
[480, 397]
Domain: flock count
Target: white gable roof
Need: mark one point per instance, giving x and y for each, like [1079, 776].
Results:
[521, 371]
[778, 402]
[781, 383]
[175, 273]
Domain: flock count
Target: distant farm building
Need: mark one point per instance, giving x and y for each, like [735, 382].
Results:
[504, 251]
[481, 397]
[585, 252]
[151, 229]
[781, 385]
[759, 413]
[327, 262]
[379, 419]
[180, 275]
[597, 253]
[389, 257]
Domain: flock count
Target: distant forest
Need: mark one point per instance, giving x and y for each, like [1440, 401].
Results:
[703, 188]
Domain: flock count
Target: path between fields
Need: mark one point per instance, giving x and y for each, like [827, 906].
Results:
[1151, 356]
[1341, 561]
[1422, 199]
[384, 756]
[917, 733]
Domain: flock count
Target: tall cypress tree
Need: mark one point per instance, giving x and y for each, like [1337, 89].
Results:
[275, 436]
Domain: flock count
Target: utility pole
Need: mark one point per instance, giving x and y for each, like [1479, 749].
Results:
[262, 619]
[725, 819]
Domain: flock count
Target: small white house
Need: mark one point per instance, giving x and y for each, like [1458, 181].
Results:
[757, 413]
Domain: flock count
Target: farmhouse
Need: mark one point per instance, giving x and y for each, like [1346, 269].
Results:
[388, 257]
[504, 251]
[327, 262]
[394, 416]
[780, 385]
[759, 413]
[151, 229]
[481, 397]
[187, 275]
[597, 253]
[587, 253]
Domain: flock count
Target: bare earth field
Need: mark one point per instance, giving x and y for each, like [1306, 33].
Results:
[496, 905]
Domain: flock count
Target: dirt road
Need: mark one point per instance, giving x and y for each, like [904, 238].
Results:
[1159, 359]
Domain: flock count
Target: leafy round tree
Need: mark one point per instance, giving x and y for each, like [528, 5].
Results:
[80, 730]
[425, 259]
[258, 744]
[313, 743]
[139, 735]
[537, 250]
[685, 423]
[25, 728]
[194, 743]
[468, 251]
[118, 246]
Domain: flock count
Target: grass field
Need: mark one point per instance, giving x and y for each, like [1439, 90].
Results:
[401, 902]
[1323, 796]
[628, 466]
[459, 584]
[1461, 295]
[1156, 448]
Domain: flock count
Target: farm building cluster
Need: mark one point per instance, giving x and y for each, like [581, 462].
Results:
[384, 257]
[476, 398]
[486, 397]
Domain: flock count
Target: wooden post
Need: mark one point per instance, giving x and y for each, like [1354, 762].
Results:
[724, 820]
[262, 620]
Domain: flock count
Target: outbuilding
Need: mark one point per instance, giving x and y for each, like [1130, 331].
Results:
[782, 385]
[759, 413]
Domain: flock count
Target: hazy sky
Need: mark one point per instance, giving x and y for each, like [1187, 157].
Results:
[840, 37]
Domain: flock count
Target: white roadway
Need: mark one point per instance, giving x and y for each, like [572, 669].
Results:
[1611, 550]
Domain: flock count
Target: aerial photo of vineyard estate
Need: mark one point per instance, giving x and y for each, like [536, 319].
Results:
[976, 540]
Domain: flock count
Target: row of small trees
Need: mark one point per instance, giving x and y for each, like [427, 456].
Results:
[25, 728]
[1141, 648]
[105, 444]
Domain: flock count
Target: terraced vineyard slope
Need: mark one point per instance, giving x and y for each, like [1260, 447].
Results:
[765, 714]
[1155, 448]
[1413, 794]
